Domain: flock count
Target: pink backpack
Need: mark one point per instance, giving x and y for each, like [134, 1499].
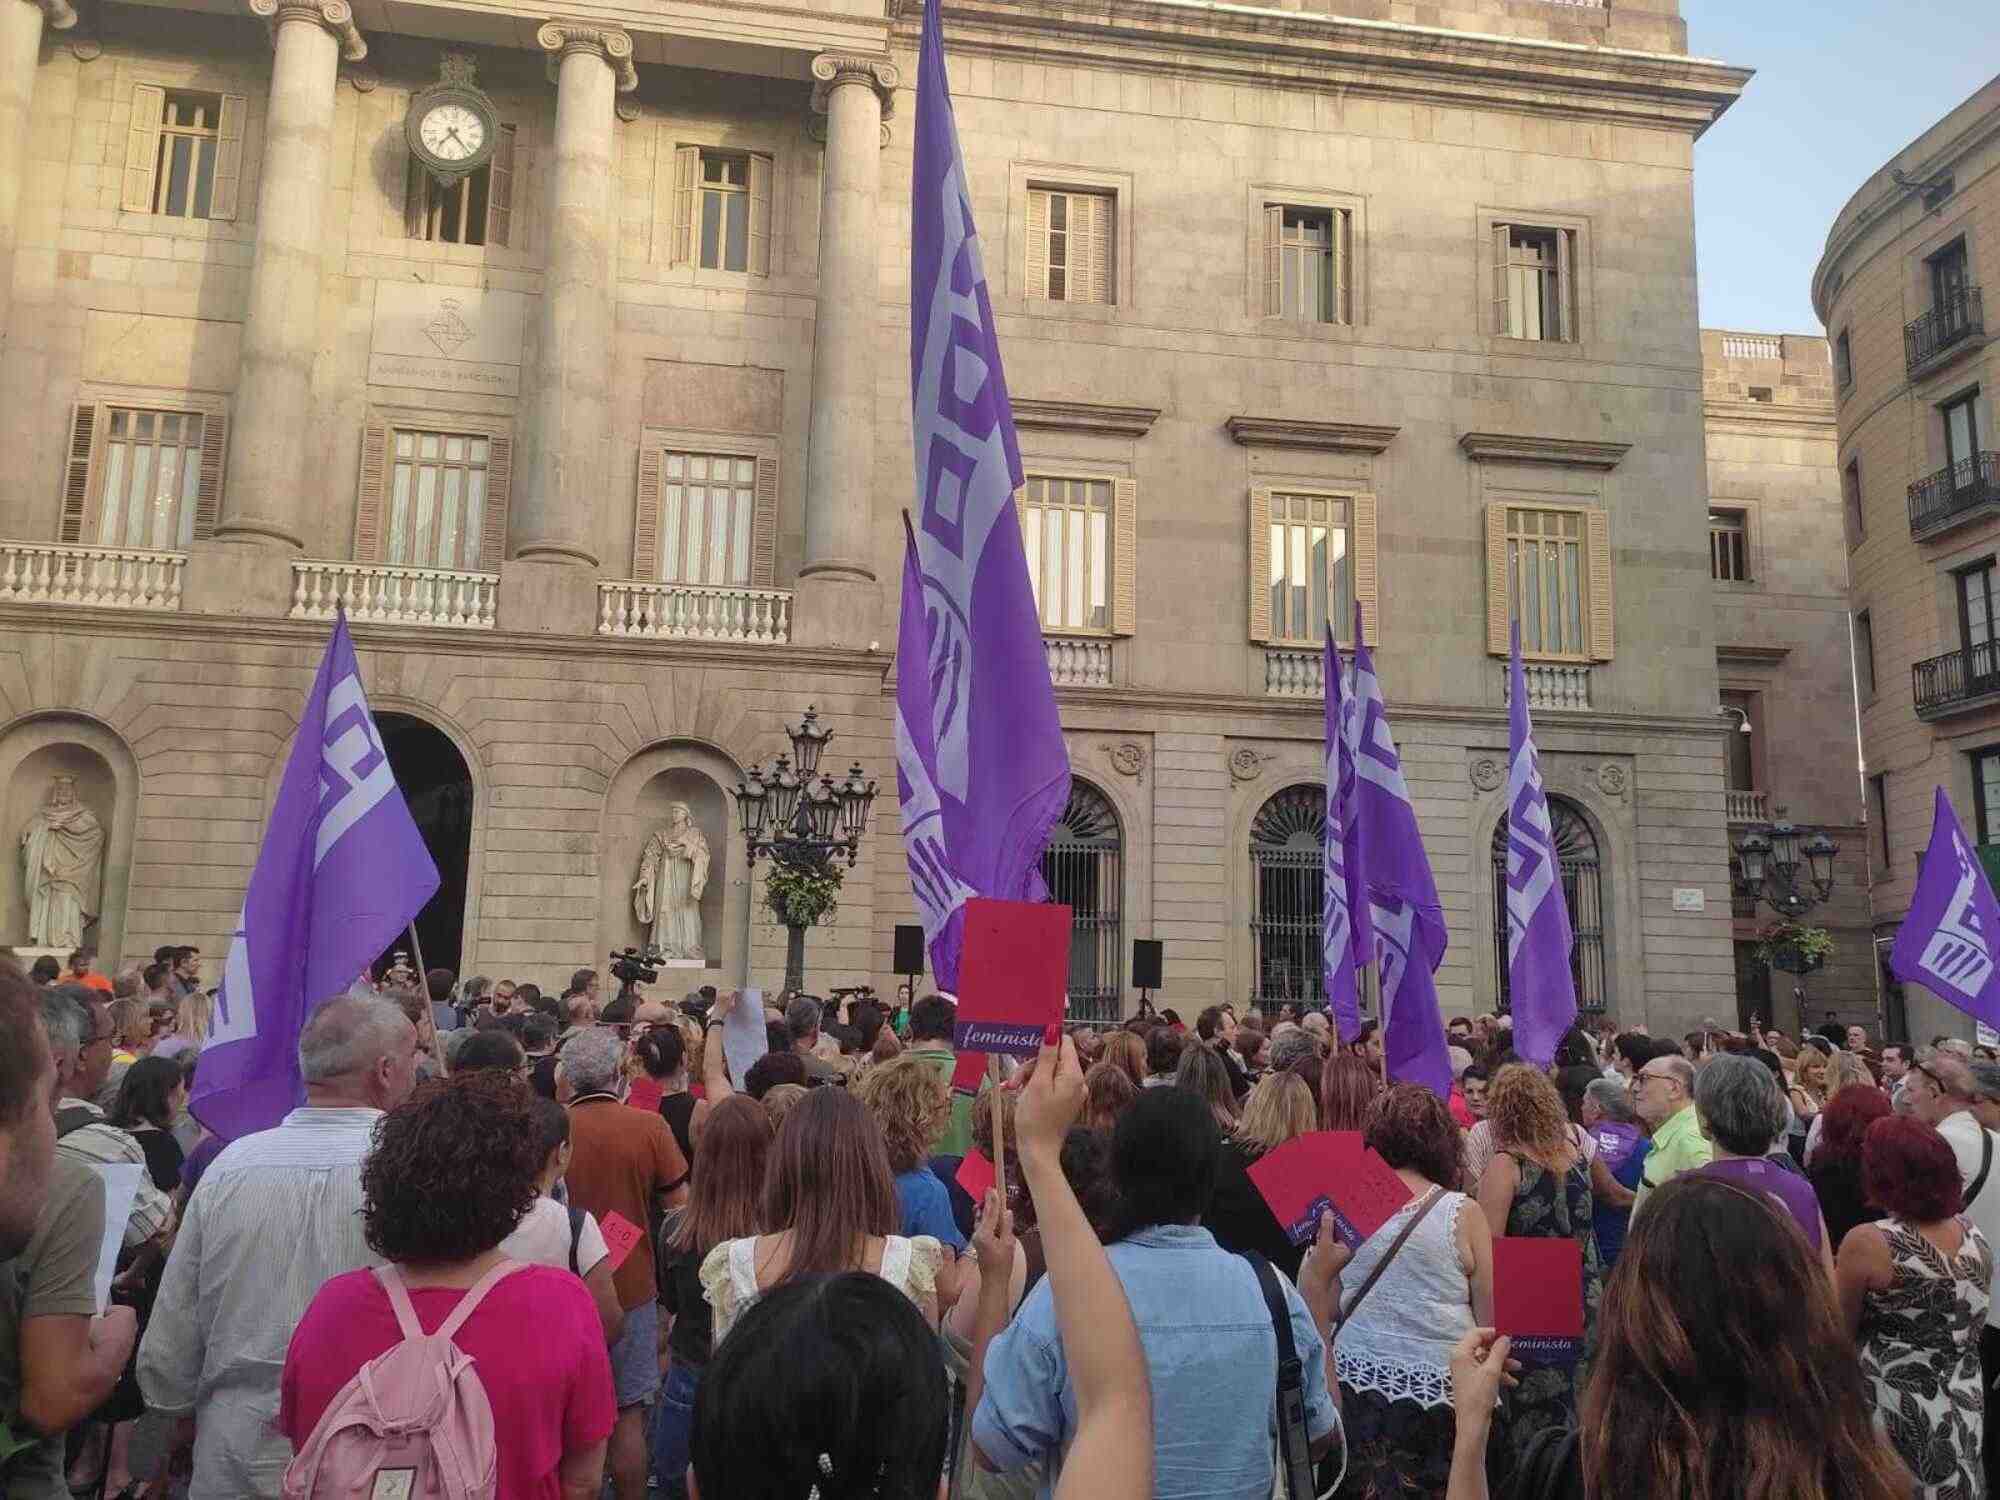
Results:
[414, 1422]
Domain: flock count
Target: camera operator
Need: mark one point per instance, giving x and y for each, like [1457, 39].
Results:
[802, 1018]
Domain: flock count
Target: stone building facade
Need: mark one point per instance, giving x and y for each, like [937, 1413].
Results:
[1778, 568]
[1396, 303]
[1915, 372]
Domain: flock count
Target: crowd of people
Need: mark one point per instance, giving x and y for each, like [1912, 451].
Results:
[590, 1260]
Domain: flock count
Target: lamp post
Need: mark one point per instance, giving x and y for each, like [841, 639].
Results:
[800, 824]
[1772, 858]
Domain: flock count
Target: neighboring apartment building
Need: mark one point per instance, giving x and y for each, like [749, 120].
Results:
[605, 447]
[1777, 554]
[1915, 373]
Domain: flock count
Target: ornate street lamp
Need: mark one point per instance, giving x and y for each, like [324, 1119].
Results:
[803, 824]
[1771, 858]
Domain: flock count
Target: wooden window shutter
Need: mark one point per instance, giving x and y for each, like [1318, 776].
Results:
[1124, 556]
[1267, 262]
[1501, 322]
[687, 176]
[370, 522]
[646, 515]
[1103, 249]
[142, 147]
[222, 203]
[1498, 613]
[764, 527]
[760, 215]
[1038, 243]
[1260, 565]
[500, 190]
[208, 486]
[1366, 587]
[1597, 540]
[1565, 286]
[1343, 268]
[499, 490]
[416, 193]
[76, 476]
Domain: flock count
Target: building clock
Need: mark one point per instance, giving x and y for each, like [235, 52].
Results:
[451, 127]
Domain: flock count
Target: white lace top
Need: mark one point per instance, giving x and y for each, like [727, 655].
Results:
[1399, 1341]
[729, 1275]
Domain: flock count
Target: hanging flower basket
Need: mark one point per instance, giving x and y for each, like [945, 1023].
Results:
[1794, 947]
[801, 898]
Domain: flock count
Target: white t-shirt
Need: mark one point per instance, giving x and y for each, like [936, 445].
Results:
[1962, 1131]
[542, 1239]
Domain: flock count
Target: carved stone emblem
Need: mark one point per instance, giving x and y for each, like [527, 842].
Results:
[1611, 777]
[1127, 759]
[448, 330]
[1246, 764]
[1487, 772]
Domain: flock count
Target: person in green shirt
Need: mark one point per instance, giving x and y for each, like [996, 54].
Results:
[1663, 1096]
[930, 1039]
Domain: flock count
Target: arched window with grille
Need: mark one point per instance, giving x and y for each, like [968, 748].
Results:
[1084, 867]
[1286, 881]
[1583, 893]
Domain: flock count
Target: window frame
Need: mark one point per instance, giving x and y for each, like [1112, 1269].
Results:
[146, 133]
[1024, 177]
[1363, 555]
[1986, 830]
[1513, 581]
[1968, 402]
[741, 492]
[1937, 266]
[79, 514]
[443, 465]
[1336, 611]
[425, 198]
[1744, 549]
[1843, 362]
[1851, 496]
[1573, 274]
[1864, 654]
[649, 505]
[1347, 212]
[375, 481]
[1878, 812]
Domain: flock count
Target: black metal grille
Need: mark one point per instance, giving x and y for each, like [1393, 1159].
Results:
[1084, 868]
[1958, 316]
[1939, 501]
[1287, 881]
[1938, 684]
[1583, 893]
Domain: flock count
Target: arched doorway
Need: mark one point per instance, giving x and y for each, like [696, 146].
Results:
[438, 787]
[1583, 893]
[1287, 882]
[1084, 869]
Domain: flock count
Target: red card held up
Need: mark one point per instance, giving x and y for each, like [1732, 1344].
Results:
[967, 1071]
[1329, 1171]
[1013, 977]
[1538, 1297]
[621, 1236]
[975, 1175]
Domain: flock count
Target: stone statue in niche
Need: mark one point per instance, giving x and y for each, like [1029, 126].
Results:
[673, 873]
[62, 857]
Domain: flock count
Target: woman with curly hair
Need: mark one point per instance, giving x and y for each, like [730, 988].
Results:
[1835, 1173]
[452, 1172]
[912, 1104]
[1538, 1187]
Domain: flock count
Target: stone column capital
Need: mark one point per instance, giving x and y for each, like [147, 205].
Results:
[560, 38]
[57, 15]
[337, 16]
[832, 69]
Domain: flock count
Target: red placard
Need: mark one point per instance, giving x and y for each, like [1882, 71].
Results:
[1538, 1297]
[621, 1236]
[966, 1073]
[975, 1175]
[1013, 978]
[1329, 1171]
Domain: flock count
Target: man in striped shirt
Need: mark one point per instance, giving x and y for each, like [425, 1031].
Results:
[277, 1214]
[82, 1132]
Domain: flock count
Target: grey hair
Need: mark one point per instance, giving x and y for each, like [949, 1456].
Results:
[349, 1034]
[1958, 1047]
[66, 1022]
[1679, 1069]
[1315, 1021]
[1292, 1048]
[1612, 1096]
[1986, 1080]
[1739, 1104]
[593, 1061]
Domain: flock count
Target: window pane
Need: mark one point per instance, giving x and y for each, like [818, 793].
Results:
[422, 540]
[406, 445]
[475, 514]
[737, 252]
[1100, 569]
[1321, 595]
[1077, 572]
[697, 504]
[427, 445]
[167, 478]
[448, 533]
[671, 504]
[1278, 581]
[1343, 583]
[110, 530]
[183, 535]
[137, 494]
[399, 514]
[719, 532]
[1573, 590]
[1052, 561]
[711, 231]
[180, 168]
[1031, 543]
[1531, 596]
[204, 179]
[739, 558]
[1322, 303]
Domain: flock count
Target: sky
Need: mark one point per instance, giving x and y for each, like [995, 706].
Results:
[1841, 86]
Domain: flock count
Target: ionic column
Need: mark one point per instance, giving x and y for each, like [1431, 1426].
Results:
[266, 495]
[836, 601]
[21, 24]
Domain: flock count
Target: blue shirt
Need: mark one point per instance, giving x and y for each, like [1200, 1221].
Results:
[926, 1207]
[1623, 1150]
[1211, 1355]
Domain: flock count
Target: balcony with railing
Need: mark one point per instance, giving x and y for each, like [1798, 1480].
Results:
[1956, 323]
[91, 577]
[694, 612]
[1552, 685]
[378, 593]
[1954, 495]
[1294, 672]
[1747, 807]
[1077, 661]
[1956, 682]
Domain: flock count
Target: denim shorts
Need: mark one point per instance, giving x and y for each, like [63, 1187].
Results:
[635, 1358]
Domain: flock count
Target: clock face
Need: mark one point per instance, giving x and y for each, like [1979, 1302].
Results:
[452, 132]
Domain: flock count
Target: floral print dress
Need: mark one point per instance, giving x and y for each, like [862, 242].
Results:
[1920, 1354]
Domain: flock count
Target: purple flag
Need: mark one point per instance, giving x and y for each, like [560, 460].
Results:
[1538, 935]
[1385, 855]
[1947, 940]
[341, 872]
[998, 771]
[1338, 938]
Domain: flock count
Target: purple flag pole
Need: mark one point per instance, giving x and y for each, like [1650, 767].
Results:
[1538, 936]
[1386, 854]
[1336, 910]
[342, 870]
[1950, 938]
[999, 771]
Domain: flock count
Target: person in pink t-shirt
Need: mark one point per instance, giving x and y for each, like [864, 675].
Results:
[452, 1172]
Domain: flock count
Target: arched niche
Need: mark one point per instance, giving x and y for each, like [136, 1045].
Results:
[636, 806]
[33, 752]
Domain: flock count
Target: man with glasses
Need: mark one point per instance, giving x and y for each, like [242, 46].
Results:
[1663, 1096]
[84, 1135]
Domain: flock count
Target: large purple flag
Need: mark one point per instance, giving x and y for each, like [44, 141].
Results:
[1385, 854]
[342, 871]
[1341, 943]
[1948, 939]
[999, 772]
[1538, 935]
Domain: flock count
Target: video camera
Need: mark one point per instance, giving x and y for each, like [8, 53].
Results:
[631, 966]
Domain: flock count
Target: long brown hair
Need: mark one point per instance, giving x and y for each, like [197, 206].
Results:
[1528, 1116]
[1716, 1295]
[828, 1184]
[1347, 1086]
[1126, 1053]
[728, 1175]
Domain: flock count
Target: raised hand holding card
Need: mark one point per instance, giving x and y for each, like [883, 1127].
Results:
[1328, 1170]
[975, 1175]
[1014, 978]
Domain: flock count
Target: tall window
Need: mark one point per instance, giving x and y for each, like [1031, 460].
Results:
[1729, 546]
[1978, 612]
[190, 131]
[437, 499]
[1864, 655]
[1312, 270]
[1068, 539]
[475, 210]
[1581, 868]
[1986, 793]
[1312, 573]
[1878, 814]
[1949, 278]
[152, 472]
[1082, 867]
[1545, 580]
[1843, 360]
[708, 502]
[1961, 438]
[1287, 874]
[725, 211]
[1739, 773]
[1072, 254]
[1536, 282]
[1850, 492]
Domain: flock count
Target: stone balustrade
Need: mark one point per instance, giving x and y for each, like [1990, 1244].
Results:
[1748, 807]
[91, 577]
[1077, 661]
[1558, 685]
[688, 612]
[1294, 672]
[375, 592]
